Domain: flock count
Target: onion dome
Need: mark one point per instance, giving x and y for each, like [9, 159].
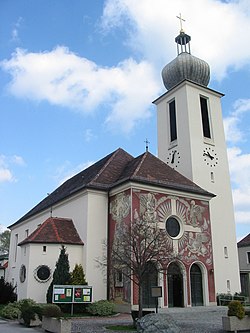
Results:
[185, 66]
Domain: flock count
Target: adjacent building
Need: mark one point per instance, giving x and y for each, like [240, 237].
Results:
[244, 262]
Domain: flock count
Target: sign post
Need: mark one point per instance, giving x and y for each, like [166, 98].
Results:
[156, 292]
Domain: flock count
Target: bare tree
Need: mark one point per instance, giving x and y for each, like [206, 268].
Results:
[133, 247]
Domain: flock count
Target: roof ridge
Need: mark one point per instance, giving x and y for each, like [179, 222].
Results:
[55, 230]
[38, 230]
[111, 158]
[140, 164]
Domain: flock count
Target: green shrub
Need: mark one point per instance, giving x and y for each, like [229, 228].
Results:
[11, 311]
[29, 310]
[235, 308]
[51, 310]
[7, 292]
[77, 277]
[25, 302]
[101, 308]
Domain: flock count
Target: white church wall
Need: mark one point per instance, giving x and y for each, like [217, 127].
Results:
[89, 214]
[221, 207]
[36, 289]
[22, 287]
[96, 234]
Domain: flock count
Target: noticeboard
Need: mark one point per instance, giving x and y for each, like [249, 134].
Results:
[72, 294]
[156, 291]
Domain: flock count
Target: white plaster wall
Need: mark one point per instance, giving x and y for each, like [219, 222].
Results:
[22, 288]
[96, 234]
[88, 210]
[35, 289]
[190, 144]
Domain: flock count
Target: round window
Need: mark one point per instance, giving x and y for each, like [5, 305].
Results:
[42, 273]
[22, 273]
[173, 227]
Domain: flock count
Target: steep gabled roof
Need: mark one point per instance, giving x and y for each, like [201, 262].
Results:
[113, 170]
[99, 176]
[244, 242]
[54, 230]
[149, 169]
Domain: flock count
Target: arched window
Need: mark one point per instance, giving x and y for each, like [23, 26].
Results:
[196, 285]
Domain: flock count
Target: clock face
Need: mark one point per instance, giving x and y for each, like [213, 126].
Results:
[173, 158]
[210, 156]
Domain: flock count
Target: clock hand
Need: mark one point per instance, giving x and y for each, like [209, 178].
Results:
[173, 156]
[208, 155]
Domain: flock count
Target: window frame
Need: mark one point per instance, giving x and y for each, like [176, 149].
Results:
[248, 257]
[206, 121]
[173, 134]
[181, 229]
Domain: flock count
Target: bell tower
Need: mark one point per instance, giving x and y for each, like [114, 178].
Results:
[191, 140]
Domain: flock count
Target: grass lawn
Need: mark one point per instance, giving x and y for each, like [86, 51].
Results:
[125, 328]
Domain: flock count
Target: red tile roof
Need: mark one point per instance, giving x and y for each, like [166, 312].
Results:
[54, 230]
[117, 168]
[244, 242]
[149, 169]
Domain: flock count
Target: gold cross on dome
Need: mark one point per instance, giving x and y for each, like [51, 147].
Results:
[181, 19]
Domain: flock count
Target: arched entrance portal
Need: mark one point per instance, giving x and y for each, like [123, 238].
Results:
[196, 285]
[151, 280]
[175, 286]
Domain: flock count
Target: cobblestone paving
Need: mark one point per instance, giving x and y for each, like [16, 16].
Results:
[190, 320]
[200, 319]
[97, 325]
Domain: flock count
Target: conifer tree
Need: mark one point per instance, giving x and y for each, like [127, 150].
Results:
[61, 273]
[78, 276]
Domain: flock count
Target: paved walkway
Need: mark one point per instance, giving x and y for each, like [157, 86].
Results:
[190, 320]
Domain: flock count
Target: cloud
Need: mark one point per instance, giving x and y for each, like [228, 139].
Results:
[5, 173]
[2, 228]
[17, 160]
[6, 164]
[15, 30]
[233, 122]
[88, 135]
[217, 36]
[65, 79]
[240, 177]
[125, 91]
[66, 171]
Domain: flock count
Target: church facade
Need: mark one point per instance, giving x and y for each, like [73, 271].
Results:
[86, 210]
[185, 192]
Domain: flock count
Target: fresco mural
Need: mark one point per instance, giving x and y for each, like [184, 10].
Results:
[186, 222]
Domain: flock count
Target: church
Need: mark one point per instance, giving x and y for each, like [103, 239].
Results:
[185, 190]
